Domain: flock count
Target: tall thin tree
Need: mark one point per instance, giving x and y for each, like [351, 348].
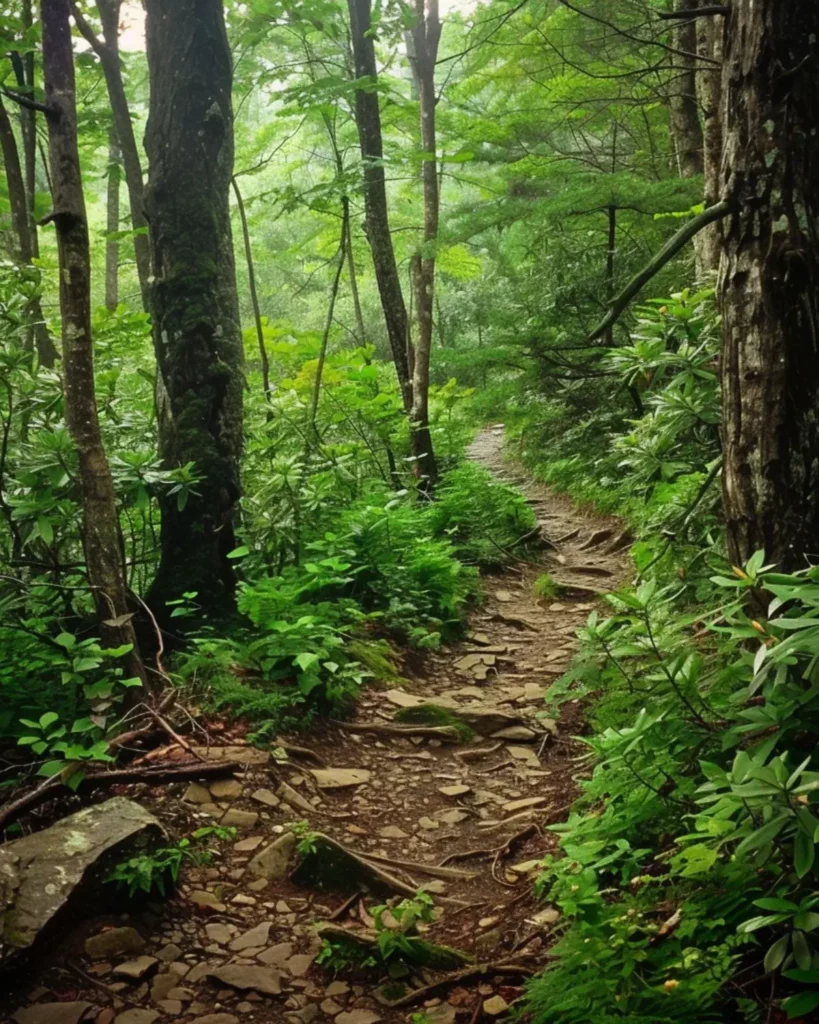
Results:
[426, 35]
[368, 122]
[100, 531]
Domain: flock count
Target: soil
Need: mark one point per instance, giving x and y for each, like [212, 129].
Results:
[483, 808]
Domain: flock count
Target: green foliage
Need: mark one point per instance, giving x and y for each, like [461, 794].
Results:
[156, 872]
[546, 588]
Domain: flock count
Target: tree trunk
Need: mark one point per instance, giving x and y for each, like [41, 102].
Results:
[197, 334]
[361, 330]
[709, 92]
[107, 49]
[112, 209]
[769, 281]
[426, 36]
[102, 542]
[368, 120]
[254, 294]
[683, 113]
[25, 232]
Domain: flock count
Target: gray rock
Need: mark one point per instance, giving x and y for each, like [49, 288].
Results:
[51, 1013]
[258, 979]
[358, 1017]
[217, 1018]
[255, 937]
[114, 942]
[272, 861]
[39, 873]
[137, 1016]
[137, 968]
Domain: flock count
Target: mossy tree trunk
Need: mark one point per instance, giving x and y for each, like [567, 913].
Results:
[197, 335]
[769, 280]
[102, 541]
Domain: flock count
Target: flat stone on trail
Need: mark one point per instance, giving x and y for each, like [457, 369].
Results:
[114, 942]
[241, 819]
[524, 754]
[226, 789]
[339, 778]
[521, 805]
[219, 933]
[258, 979]
[137, 968]
[51, 1013]
[248, 845]
[255, 937]
[533, 691]
[452, 817]
[358, 1017]
[197, 794]
[515, 732]
[273, 860]
[460, 790]
[39, 873]
[266, 797]
[402, 699]
[495, 1006]
[392, 832]
[276, 955]
[299, 965]
[527, 867]
[137, 1016]
[504, 596]
[217, 1018]
[206, 901]
[428, 823]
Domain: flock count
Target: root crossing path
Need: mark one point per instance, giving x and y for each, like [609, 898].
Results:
[456, 800]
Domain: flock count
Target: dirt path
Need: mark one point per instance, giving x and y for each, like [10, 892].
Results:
[420, 799]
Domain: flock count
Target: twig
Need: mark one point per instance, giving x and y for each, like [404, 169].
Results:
[447, 732]
[345, 906]
[435, 871]
[480, 970]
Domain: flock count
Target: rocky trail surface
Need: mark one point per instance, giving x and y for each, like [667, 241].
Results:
[393, 801]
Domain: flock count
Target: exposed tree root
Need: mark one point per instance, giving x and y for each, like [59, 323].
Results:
[428, 991]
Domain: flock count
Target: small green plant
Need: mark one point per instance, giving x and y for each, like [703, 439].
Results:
[158, 870]
[546, 588]
[307, 837]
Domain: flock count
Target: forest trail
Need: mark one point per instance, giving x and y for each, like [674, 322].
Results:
[237, 941]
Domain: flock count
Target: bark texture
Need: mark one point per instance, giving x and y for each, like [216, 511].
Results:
[107, 49]
[254, 292]
[112, 225]
[197, 335]
[101, 533]
[683, 112]
[769, 281]
[25, 232]
[426, 35]
[709, 93]
[368, 121]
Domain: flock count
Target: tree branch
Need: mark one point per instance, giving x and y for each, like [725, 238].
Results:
[29, 104]
[664, 256]
[697, 12]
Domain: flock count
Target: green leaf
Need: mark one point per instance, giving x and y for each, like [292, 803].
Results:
[776, 953]
[239, 552]
[765, 834]
[306, 660]
[51, 768]
[801, 951]
[807, 922]
[45, 529]
[799, 1005]
[804, 854]
[49, 718]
